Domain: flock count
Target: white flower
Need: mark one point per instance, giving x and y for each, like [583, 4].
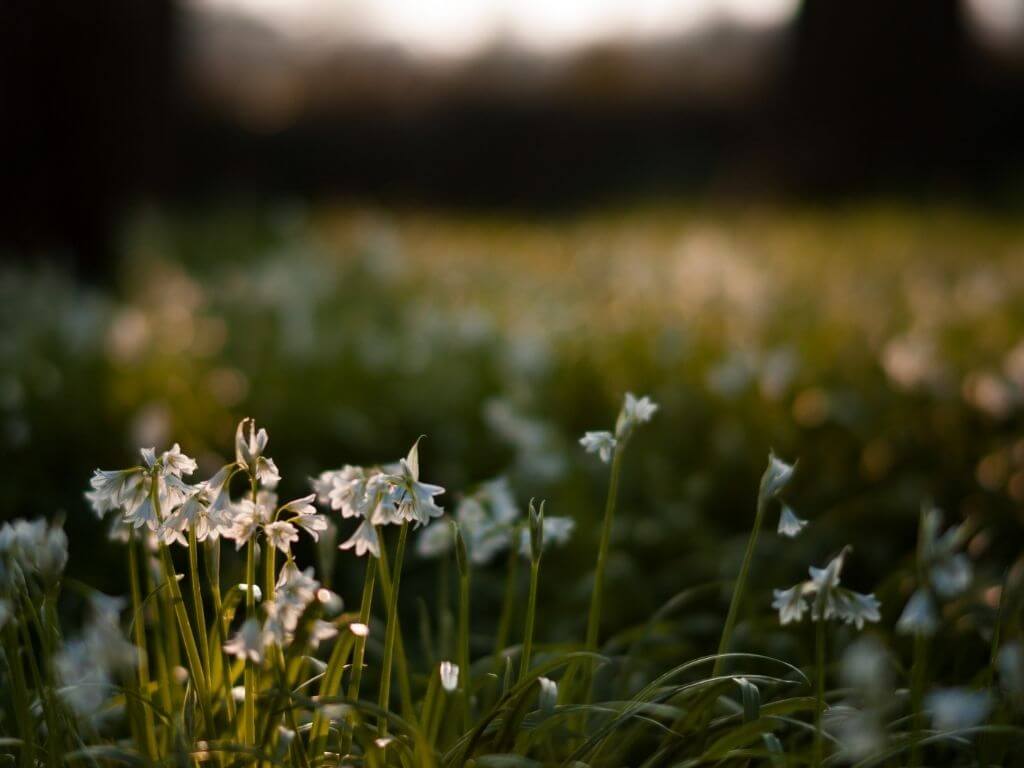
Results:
[826, 597]
[601, 443]
[790, 604]
[281, 535]
[247, 643]
[634, 411]
[449, 676]
[415, 499]
[949, 573]
[919, 617]
[956, 708]
[363, 540]
[177, 463]
[359, 630]
[311, 524]
[789, 524]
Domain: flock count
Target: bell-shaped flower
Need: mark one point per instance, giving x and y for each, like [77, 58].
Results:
[364, 539]
[415, 499]
[602, 443]
[789, 524]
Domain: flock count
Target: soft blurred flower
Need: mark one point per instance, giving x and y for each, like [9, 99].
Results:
[449, 672]
[919, 617]
[956, 708]
[601, 443]
[634, 411]
[247, 643]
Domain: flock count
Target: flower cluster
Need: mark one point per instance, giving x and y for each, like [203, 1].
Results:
[91, 665]
[378, 496]
[943, 572]
[826, 599]
[490, 522]
[634, 411]
[296, 590]
[155, 495]
[30, 548]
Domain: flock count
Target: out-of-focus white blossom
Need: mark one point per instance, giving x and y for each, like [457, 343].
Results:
[919, 617]
[955, 708]
[601, 443]
[34, 548]
[247, 643]
[634, 411]
[449, 672]
[90, 666]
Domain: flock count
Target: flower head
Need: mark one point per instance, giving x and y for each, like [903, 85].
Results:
[634, 411]
[601, 443]
[826, 598]
[414, 499]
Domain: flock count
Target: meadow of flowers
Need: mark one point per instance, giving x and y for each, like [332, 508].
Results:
[650, 605]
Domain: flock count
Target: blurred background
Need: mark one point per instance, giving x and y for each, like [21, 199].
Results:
[796, 224]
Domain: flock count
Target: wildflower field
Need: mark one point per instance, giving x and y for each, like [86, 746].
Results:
[654, 487]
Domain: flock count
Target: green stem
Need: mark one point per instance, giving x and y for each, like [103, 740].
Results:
[359, 654]
[211, 558]
[249, 707]
[198, 608]
[597, 598]
[918, 673]
[508, 606]
[741, 584]
[392, 630]
[185, 630]
[464, 660]
[269, 577]
[20, 695]
[820, 679]
[531, 614]
[139, 628]
[401, 662]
